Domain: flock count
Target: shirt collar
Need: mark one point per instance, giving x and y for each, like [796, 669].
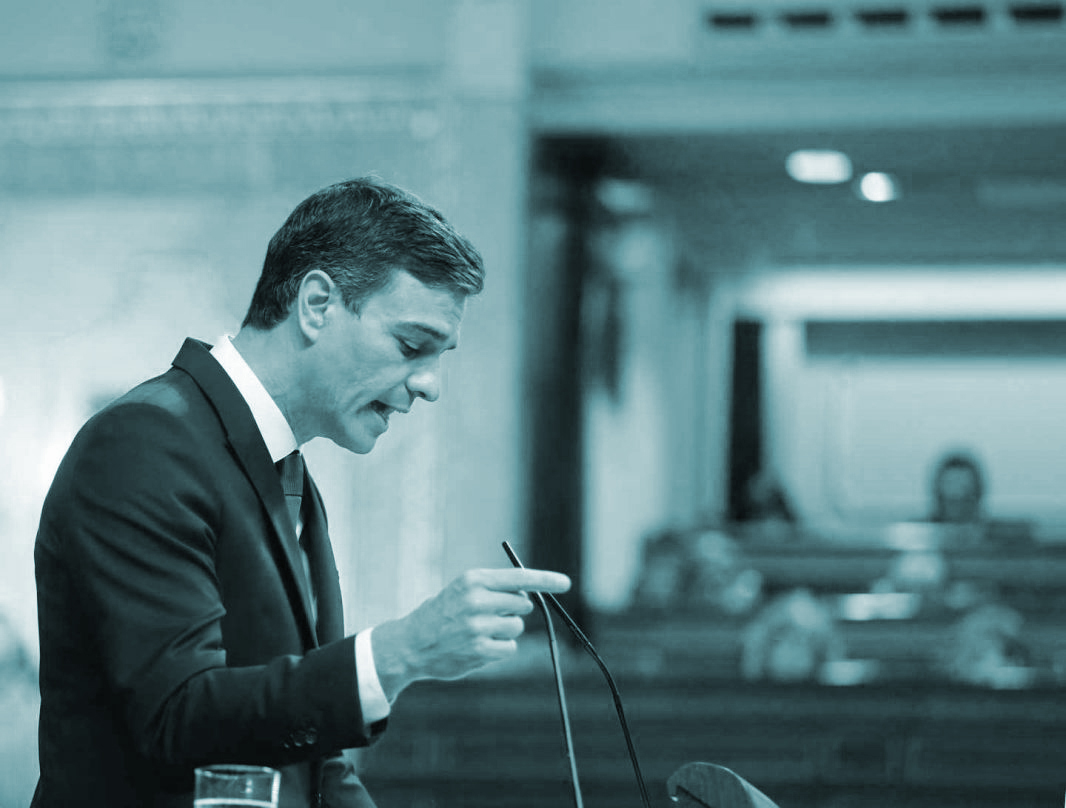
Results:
[277, 434]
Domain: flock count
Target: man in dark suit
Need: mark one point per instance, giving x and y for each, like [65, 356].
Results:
[187, 616]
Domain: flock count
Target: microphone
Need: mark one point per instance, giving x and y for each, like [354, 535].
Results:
[540, 599]
[708, 785]
[694, 785]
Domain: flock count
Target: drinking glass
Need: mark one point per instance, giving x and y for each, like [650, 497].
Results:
[232, 786]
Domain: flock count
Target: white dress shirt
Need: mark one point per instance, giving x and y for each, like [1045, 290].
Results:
[280, 442]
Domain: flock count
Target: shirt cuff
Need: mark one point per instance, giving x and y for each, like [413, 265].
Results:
[371, 695]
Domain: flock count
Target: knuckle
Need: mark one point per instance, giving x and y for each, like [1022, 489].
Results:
[510, 628]
[473, 627]
[467, 580]
[478, 599]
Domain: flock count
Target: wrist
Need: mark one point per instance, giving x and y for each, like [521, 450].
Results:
[393, 660]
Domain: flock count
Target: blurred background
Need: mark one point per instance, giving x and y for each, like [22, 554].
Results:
[771, 358]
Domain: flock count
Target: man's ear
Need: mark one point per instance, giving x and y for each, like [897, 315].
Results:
[317, 292]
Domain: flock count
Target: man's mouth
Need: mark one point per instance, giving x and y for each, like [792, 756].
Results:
[384, 410]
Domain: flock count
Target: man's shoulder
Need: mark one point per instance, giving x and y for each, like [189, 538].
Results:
[173, 393]
[165, 398]
[164, 428]
[168, 410]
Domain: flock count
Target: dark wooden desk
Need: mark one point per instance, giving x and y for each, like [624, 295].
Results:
[910, 739]
[495, 741]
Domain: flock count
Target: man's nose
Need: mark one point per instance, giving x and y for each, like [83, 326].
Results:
[425, 382]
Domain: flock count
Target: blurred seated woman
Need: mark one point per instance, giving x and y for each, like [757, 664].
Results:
[958, 490]
[958, 493]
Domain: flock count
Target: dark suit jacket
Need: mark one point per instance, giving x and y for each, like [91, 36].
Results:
[174, 614]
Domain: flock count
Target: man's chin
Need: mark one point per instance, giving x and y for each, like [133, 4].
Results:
[358, 437]
[357, 447]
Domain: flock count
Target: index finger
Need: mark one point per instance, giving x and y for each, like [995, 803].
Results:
[524, 580]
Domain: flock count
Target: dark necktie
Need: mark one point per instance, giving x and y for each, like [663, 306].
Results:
[318, 564]
[291, 469]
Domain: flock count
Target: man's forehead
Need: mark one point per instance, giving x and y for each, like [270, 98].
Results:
[405, 295]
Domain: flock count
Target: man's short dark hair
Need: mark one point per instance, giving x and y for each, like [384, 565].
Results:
[360, 232]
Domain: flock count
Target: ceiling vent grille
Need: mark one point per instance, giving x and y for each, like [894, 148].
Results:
[947, 16]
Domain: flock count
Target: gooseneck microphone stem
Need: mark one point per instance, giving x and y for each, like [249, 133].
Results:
[553, 646]
[540, 598]
[580, 635]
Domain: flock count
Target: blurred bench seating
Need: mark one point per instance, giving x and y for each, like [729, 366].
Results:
[495, 739]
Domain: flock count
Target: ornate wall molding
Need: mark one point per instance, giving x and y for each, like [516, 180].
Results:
[210, 135]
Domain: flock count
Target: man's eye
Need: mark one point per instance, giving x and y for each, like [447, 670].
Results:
[408, 350]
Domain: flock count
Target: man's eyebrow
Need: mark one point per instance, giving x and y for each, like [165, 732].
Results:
[429, 331]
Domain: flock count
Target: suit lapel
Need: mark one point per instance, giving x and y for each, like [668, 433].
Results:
[251, 453]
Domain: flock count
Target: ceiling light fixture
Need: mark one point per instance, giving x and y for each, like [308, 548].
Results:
[819, 166]
[877, 186]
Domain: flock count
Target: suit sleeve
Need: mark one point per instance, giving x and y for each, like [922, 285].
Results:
[139, 530]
